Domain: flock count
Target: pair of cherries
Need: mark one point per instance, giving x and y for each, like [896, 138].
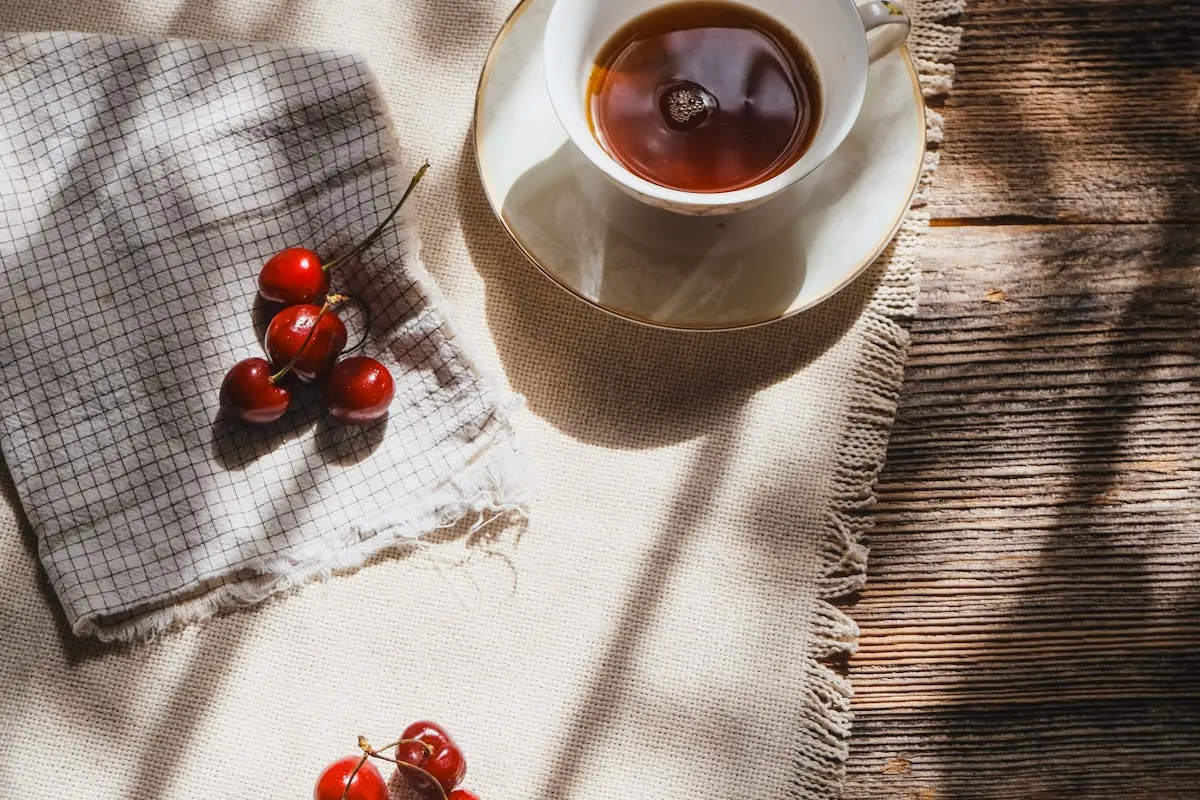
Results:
[425, 756]
[307, 340]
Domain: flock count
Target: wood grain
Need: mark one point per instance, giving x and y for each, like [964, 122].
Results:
[1031, 628]
[1075, 110]
[1031, 625]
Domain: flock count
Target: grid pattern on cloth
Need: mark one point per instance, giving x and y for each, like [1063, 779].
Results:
[142, 184]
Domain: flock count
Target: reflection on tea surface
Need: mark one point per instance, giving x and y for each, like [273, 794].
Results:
[704, 97]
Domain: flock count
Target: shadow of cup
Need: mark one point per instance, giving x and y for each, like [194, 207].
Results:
[609, 381]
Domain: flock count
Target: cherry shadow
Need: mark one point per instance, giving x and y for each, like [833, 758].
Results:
[261, 313]
[343, 444]
[234, 445]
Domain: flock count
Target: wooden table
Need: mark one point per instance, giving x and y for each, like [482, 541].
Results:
[1031, 625]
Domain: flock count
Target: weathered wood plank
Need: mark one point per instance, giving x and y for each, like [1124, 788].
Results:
[1106, 749]
[1074, 110]
[1031, 626]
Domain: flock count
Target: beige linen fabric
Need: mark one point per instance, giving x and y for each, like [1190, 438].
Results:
[655, 630]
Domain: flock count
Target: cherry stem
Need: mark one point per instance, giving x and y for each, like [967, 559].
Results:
[330, 301]
[375, 234]
[350, 780]
[428, 747]
[362, 340]
[406, 765]
[372, 752]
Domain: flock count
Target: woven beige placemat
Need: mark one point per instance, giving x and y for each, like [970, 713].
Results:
[659, 628]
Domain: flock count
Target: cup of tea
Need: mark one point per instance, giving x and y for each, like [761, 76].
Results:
[712, 106]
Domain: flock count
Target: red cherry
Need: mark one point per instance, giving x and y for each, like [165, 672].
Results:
[249, 394]
[441, 759]
[288, 333]
[412, 752]
[293, 276]
[367, 783]
[358, 392]
[462, 794]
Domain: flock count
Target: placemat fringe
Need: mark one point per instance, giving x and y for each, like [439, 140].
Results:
[878, 378]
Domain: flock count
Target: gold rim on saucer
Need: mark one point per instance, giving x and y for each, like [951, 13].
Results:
[858, 269]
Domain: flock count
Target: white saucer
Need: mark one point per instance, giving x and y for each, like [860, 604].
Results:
[696, 273]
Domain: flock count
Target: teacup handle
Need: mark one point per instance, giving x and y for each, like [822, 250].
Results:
[892, 23]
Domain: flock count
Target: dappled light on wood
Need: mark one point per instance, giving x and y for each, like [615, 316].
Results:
[1030, 625]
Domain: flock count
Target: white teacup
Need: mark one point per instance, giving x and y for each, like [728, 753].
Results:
[834, 32]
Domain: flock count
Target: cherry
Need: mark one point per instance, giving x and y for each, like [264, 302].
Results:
[367, 783]
[295, 275]
[462, 794]
[412, 752]
[358, 392]
[288, 338]
[250, 393]
[427, 745]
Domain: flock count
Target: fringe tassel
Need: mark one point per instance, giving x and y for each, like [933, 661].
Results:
[821, 760]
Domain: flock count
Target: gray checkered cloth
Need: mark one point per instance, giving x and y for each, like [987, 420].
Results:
[143, 183]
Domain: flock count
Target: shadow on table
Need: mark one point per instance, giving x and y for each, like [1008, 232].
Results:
[655, 263]
[608, 381]
[98, 704]
[1119, 715]
[607, 697]
[1109, 714]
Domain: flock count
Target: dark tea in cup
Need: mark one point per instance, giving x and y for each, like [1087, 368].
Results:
[704, 97]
